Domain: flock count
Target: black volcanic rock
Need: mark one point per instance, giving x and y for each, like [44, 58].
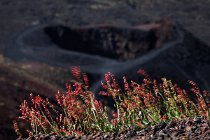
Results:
[183, 129]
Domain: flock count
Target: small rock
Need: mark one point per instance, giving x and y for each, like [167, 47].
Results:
[130, 134]
[197, 119]
[162, 133]
[106, 136]
[170, 124]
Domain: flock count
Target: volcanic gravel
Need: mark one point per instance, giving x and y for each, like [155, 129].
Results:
[190, 129]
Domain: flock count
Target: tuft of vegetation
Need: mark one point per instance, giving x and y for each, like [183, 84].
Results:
[137, 105]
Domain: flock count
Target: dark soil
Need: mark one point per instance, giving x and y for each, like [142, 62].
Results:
[18, 78]
[16, 15]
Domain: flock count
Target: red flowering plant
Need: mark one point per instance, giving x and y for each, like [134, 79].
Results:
[137, 105]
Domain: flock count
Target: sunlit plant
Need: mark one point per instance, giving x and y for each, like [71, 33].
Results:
[137, 105]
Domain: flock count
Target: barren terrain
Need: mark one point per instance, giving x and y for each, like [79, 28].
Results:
[18, 78]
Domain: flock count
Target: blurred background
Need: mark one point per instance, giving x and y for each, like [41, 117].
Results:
[24, 68]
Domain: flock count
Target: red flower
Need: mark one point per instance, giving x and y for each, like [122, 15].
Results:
[76, 72]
